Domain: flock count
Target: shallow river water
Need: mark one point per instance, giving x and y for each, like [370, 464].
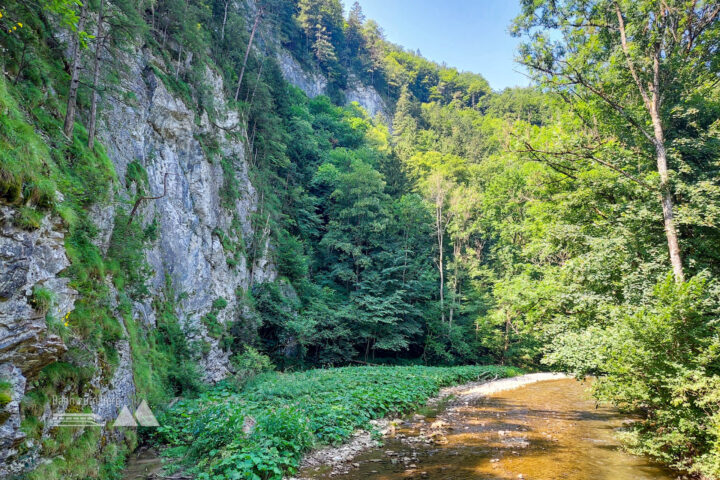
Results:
[542, 431]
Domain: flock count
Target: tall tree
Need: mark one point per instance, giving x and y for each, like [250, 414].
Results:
[258, 16]
[405, 125]
[353, 31]
[637, 61]
[323, 48]
[99, 43]
[75, 74]
[438, 188]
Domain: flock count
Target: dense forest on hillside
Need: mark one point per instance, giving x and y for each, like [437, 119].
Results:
[572, 226]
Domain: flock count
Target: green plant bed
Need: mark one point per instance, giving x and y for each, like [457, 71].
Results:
[291, 413]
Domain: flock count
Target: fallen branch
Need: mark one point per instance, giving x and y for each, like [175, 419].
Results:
[141, 199]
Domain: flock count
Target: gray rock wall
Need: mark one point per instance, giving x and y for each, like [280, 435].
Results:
[28, 260]
[314, 84]
[145, 123]
[157, 130]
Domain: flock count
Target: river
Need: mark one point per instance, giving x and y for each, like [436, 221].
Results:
[542, 431]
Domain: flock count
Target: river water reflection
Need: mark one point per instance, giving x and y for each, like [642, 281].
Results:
[543, 431]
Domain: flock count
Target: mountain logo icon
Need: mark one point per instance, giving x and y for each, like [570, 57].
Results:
[143, 417]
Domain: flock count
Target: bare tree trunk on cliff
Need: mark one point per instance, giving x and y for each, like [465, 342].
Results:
[74, 78]
[100, 41]
[222, 32]
[258, 16]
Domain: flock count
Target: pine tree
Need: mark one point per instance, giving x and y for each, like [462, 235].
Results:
[405, 125]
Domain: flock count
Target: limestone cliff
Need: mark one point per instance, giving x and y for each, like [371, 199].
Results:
[144, 124]
[313, 84]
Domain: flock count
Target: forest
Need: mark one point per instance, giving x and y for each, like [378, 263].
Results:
[569, 226]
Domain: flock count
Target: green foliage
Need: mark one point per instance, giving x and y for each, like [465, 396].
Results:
[665, 360]
[79, 459]
[592, 245]
[262, 430]
[137, 175]
[214, 327]
[292, 261]
[250, 363]
[28, 218]
[180, 372]
[41, 299]
[126, 257]
[219, 303]
[230, 191]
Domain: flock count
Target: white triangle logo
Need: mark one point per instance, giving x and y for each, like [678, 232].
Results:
[125, 419]
[145, 417]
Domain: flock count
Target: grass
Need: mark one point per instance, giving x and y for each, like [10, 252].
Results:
[5, 393]
[23, 155]
[78, 456]
[28, 218]
[37, 160]
[294, 412]
[42, 299]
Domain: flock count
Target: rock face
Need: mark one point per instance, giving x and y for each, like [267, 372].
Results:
[10, 434]
[30, 260]
[368, 98]
[314, 84]
[160, 133]
[141, 123]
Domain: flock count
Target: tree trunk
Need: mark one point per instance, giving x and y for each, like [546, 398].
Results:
[506, 345]
[247, 52]
[96, 74]
[251, 99]
[667, 207]
[439, 228]
[222, 33]
[455, 280]
[74, 78]
[22, 64]
[652, 104]
[662, 166]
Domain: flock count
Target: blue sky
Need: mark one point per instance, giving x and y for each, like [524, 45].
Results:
[467, 34]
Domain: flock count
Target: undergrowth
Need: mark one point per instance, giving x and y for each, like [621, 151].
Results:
[261, 430]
